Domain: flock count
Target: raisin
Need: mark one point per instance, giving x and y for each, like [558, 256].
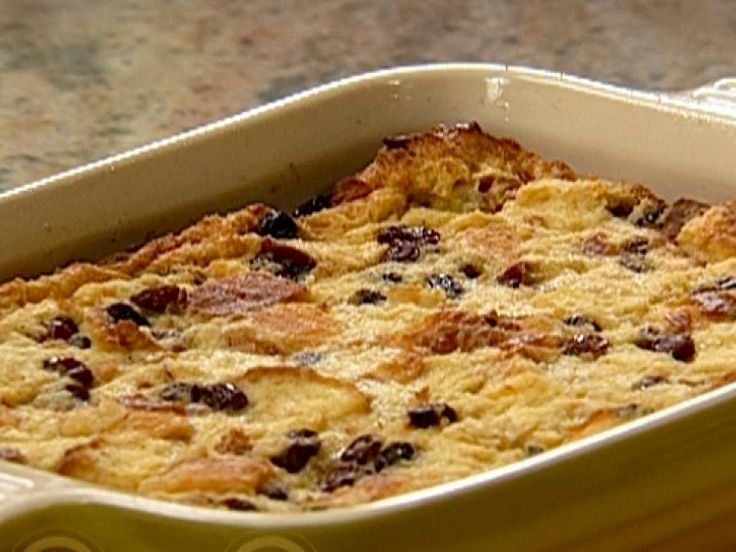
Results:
[393, 277]
[517, 275]
[282, 260]
[633, 255]
[217, 396]
[717, 304]
[598, 245]
[430, 415]
[398, 141]
[274, 491]
[83, 375]
[393, 453]
[340, 476]
[78, 391]
[177, 392]
[621, 210]
[651, 215]
[122, 311]
[592, 345]
[61, 327]
[366, 297]
[648, 381]
[471, 271]
[534, 450]
[295, 457]
[277, 224]
[239, 504]
[159, 299]
[12, 455]
[680, 346]
[727, 282]
[626, 411]
[80, 341]
[446, 283]
[62, 365]
[418, 234]
[220, 396]
[682, 211]
[582, 321]
[404, 242]
[362, 450]
[402, 252]
[313, 205]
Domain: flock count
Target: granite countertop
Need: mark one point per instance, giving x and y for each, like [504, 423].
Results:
[81, 80]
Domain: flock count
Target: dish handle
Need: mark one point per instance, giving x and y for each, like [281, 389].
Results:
[718, 97]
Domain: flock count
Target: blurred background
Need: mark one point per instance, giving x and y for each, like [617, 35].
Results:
[83, 79]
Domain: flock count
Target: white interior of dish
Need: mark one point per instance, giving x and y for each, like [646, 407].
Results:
[287, 151]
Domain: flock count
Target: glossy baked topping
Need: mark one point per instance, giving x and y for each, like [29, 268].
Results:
[458, 305]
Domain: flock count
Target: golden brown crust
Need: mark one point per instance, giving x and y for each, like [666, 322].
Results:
[457, 305]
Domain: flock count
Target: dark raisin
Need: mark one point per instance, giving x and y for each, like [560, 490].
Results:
[392, 454]
[303, 433]
[727, 282]
[471, 271]
[717, 304]
[159, 299]
[650, 217]
[534, 450]
[308, 358]
[62, 365]
[80, 341]
[282, 260]
[446, 283]
[680, 346]
[79, 391]
[638, 246]
[582, 321]
[648, 381]
[12, 455]
[220, 396]
[295, 457]
[362, 450]
[366, 297]
[83, 375]
[274, 491]
[313, 205]
[239, 504]
[340, 476]
[217, 396]
[177, 392]
[681, 212]
[626, 411]
[517, 275]
[393, 277]
[592, 345]
[402, 252]
[621, 210]
[398, 141]
[430, 415]
[404, 242]
[122, 311]
[633, 255]
[61, 327]
[418, 234]
[277, 224]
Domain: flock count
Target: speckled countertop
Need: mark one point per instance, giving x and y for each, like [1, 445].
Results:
[80, 80]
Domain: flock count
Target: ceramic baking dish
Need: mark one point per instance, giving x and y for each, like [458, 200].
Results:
[664, 480]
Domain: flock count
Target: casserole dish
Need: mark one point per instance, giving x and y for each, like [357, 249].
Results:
[585, 494]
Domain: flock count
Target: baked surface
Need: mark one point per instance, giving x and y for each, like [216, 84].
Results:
[458, 305]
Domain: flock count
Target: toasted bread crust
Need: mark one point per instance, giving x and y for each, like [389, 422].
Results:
[459, 304]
